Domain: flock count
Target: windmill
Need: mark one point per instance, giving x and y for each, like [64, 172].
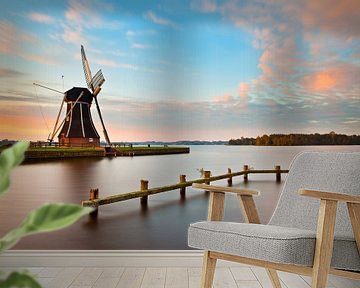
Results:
[77, 128]
[94, 84]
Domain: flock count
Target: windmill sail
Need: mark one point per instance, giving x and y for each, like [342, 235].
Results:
[87, 70]
[94, 84]
[97, 80]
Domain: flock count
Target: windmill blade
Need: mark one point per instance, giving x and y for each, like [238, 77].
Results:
[102, 123]
[97, 80]
[87, 70]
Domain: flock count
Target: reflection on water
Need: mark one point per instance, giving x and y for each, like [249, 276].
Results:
[127, 225]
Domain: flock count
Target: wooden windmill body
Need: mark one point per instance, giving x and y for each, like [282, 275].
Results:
[77, 128]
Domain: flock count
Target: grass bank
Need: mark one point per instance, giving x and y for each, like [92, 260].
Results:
[38, 153]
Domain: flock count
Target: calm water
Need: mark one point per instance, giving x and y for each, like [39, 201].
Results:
[163, 225]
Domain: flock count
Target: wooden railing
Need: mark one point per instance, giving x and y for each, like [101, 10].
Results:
[145, 192]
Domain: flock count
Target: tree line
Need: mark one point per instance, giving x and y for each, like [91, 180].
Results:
[298, 140]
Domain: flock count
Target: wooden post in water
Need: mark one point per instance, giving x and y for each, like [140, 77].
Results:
[207, 175]
[278, 174]
[94, 194]
[230, 177]
[246, 169]
[144, 184]
[182, 189]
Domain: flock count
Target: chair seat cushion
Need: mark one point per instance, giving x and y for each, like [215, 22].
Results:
[270, 243]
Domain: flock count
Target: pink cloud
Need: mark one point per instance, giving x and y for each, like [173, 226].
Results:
[73, 36]
[339, 18]
[7, 40]
[11, 38]
[243, 90]
[321, 81]
[83, 14]
[341, 78]
[225, 99]
[296, 39]
[42, 18]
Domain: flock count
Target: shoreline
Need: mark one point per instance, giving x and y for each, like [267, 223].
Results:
[65, 153]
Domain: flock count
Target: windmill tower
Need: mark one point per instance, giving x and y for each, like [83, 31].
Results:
[77, 128]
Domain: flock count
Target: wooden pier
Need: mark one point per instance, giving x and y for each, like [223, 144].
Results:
[145, 191]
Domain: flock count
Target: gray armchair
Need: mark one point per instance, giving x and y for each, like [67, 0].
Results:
[314, 231]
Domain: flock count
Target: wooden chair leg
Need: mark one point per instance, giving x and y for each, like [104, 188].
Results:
[324, 243]
[208, 270]
[251, 216]
[274, 278]
[354, 212]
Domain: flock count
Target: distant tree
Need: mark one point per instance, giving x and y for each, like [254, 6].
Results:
[298, 139]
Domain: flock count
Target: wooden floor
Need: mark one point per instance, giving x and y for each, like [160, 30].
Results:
[142, 269]
[167, 277]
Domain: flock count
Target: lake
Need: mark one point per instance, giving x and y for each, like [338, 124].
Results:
[126, 225]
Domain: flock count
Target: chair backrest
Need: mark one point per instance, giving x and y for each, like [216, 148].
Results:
[324, 171]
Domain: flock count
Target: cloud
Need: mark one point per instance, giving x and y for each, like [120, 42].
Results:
[243, 90]
[338, 78]
[352, 120]
[114, 64]
[130, 33]
[13, 41]
[225, 99]
[81, 16]
[11, 38]
[321, 81]
[161, 21]
[73, 36]
[303, 48]
[206, 6]
[39, 58]
[85, 14]
[338, 18]
[140, 46]
[10, 73]
[41, 18]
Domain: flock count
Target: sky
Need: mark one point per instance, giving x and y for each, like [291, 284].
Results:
[184, 69]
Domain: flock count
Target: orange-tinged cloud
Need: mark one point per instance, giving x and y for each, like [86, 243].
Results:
[322, 81]
[243, 89]
[225, 99]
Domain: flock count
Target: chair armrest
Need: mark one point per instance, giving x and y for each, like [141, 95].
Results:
[239, 191]
[330, 196]
[216, 202]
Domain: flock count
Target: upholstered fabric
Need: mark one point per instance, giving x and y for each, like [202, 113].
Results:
[290, 235]
[333, 172]
[270, 243]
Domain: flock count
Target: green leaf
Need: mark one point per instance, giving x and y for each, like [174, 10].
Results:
[21, 280]
[49, 217]
[9, 159]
